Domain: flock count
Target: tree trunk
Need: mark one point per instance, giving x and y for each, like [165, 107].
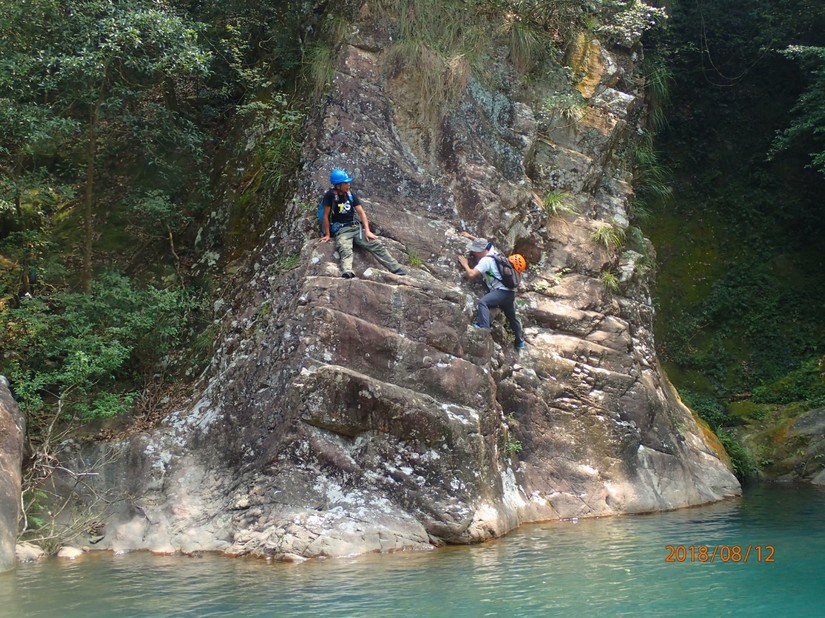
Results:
[88, 227]
[88, 198]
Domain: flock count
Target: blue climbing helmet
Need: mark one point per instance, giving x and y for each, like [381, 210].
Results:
[339, 176]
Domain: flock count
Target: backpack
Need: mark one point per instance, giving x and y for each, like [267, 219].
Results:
[510, 277]
[321, 216]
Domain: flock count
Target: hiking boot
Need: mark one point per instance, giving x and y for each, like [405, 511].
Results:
[399, 271]
[348, 275]
[521, 344]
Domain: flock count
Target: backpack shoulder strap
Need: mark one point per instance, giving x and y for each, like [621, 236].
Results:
[497, 259]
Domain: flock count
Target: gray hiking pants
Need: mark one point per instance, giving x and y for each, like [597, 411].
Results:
[504, 300]
[344, 240]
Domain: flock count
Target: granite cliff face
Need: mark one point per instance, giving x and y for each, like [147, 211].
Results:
[345, 416]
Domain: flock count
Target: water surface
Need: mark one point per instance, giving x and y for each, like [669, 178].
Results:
[606, 567]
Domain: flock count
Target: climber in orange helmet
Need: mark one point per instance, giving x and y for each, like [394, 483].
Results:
[499, 295]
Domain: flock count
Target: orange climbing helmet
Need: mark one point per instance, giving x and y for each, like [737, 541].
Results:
[518, 262]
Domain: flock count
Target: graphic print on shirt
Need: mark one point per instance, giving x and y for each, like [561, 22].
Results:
[344, 207]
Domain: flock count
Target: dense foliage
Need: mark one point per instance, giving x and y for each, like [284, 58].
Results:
[741, 246]
[114, 122]
[808, 125]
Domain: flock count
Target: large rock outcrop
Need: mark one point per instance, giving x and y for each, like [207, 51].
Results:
[789, 445]
[344, 416]
[12, 430]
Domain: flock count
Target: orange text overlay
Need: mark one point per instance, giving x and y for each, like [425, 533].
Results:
[720, 553]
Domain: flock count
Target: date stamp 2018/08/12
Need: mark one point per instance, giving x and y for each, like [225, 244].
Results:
[720, 553]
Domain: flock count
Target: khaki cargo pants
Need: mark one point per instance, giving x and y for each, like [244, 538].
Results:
[344, 240]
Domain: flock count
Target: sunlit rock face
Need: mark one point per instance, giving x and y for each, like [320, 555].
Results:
[348, 416]
[12, 430]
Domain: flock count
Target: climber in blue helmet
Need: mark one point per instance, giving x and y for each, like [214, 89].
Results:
[339, 221]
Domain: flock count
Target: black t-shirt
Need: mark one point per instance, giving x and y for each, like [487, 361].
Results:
[342, 207]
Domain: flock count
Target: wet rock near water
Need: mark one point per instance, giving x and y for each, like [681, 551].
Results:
[810, 461]
[69, 553]
[28, 552]
[788, 448]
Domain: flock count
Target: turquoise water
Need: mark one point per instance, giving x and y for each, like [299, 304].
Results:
[607, 567]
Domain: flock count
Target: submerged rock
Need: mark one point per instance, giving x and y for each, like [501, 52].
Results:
[69, 553]
[27, 552]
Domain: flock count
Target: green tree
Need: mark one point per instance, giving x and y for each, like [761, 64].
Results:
[85, 70]
[740, 246]
[808, 126]
[73, 356]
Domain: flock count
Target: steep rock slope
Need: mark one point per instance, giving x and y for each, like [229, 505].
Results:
[344, 416]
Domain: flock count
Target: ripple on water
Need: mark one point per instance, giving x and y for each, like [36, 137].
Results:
[606, 567]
